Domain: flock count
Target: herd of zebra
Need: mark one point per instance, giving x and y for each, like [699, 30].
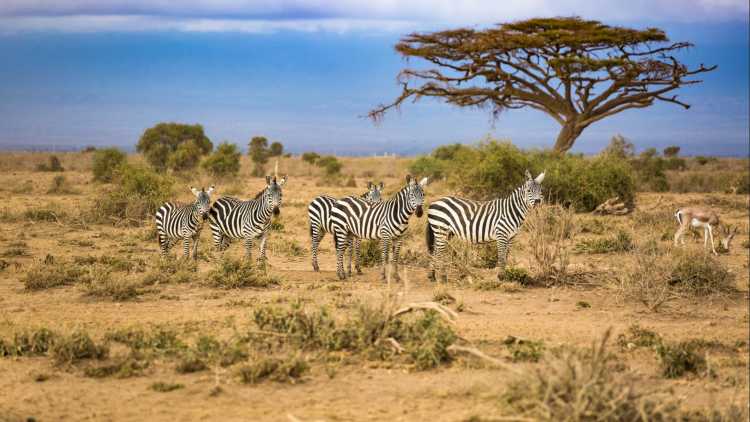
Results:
[351, 219]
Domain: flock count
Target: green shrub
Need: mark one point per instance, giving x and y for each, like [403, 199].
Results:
[639, 337]
[622, 241]
[524, 350]
[330, 164]
[59, 186]
[671, 151]
[165, 387]
[491, 169]
[290, 370]
[46, 275]
[310, 157]
[174, 146]
[276, 149]
[427, 166]
[122, 368]
[517, 275]
[580, 385]
[235, 274]
[369, 253]
[224, 161]
[53, 165]
[105, 163]
[29, 343]
[77, 346]
[135, 195]
[699, 274]
[680, 358]
[43, 214]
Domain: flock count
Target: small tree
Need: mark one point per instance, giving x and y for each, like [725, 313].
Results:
[259, 153]
[310, 157]
[619, 147]
[224, 161]
[105, 162]
[276, 149]
[671, 151]
[330, 164]
[174, 146]
[576, 71]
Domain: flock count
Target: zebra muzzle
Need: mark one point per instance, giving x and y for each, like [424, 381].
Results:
[276, 211]
[419, 211]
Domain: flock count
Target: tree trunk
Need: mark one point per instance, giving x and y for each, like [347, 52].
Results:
[567, 136]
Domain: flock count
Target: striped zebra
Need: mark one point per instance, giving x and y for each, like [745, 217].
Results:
[480, 222]
[174, 222]
[386, 221]
[231, 218]
[319, 212]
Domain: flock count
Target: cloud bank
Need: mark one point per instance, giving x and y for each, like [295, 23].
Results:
[337, 15]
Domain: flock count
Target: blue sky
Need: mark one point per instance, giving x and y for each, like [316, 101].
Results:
[85, 72]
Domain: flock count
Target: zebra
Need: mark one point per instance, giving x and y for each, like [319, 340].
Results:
[319, 212]
[386, 221]
[480, 222]
[174, 222]
[231, 218]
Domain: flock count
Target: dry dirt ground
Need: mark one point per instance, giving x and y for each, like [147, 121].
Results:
[361, 390]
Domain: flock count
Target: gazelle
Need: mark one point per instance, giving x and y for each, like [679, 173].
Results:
[701, 217]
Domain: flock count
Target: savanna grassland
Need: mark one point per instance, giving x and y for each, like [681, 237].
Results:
[94, 326]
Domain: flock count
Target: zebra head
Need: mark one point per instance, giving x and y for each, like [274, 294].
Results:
[415, 194]
[202, 199]
[272, 193]
[532, 189]
[374, 193]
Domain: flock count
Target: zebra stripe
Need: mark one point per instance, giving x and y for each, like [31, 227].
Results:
[319, 213]
[498, 220]
[231, 218]
[386, 221]
[175, 222]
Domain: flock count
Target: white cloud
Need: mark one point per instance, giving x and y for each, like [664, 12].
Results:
[338, 15]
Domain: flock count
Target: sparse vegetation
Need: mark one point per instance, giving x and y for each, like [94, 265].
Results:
[46, 275]
[136, 194]
[550, 230]
[52, 165]
[289, 369]
[165, 387]
[680, 358]
[235, 274]
[622, 241]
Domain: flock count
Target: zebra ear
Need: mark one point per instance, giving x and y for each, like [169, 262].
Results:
[424, 181]
[382, 185]
[370, 185]
[211, 189]
[408, 179]
[268, 180]
[528, 175]
[283, 181]
[194, 190]
[539, 178]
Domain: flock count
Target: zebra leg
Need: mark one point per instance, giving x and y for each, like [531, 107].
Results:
[385, 245]
[163, 245]
[248, 248]
[340, 240]
[503, 244]
[394, 258]
[316, 236]
[195, 246]
[186, 248]
[262, 257]
[357, 257]
[350, 247]
[437, 263]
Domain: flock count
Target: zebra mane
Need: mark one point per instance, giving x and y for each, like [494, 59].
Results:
[260, 193]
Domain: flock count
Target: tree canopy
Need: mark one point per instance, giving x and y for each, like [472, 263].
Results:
[174, 145]
[576, 71]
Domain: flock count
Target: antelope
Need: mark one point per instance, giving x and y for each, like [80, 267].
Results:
[708, 220]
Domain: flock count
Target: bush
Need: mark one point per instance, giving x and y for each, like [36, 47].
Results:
[330, 164]
[224, 161]
[577, 385]
[488, 171]
[310, 157]
[30, 343]
[369, 253]
[524, 350]
[235, 274]
[671, 151]
[696, 273]
[53, 165]
[101, 284]
[174, 146]
[165, 387]
[639, 337]
[650, 171]
[426, 166]
[290, 370]
[136, 194]
[46, 275]
[622, 241]
[680, 358]
[77, 346]
[619, 148]
[257, 149]
[105, 163]
[59, 186]
[276, 149]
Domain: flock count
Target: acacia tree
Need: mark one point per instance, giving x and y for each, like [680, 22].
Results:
[576, 71]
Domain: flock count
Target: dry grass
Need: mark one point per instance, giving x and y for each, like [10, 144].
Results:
[550, 229]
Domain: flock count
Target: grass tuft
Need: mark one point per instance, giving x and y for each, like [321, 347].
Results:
[235, 274]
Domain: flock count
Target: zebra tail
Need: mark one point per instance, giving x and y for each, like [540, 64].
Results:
[678, 215]
[430, 238]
